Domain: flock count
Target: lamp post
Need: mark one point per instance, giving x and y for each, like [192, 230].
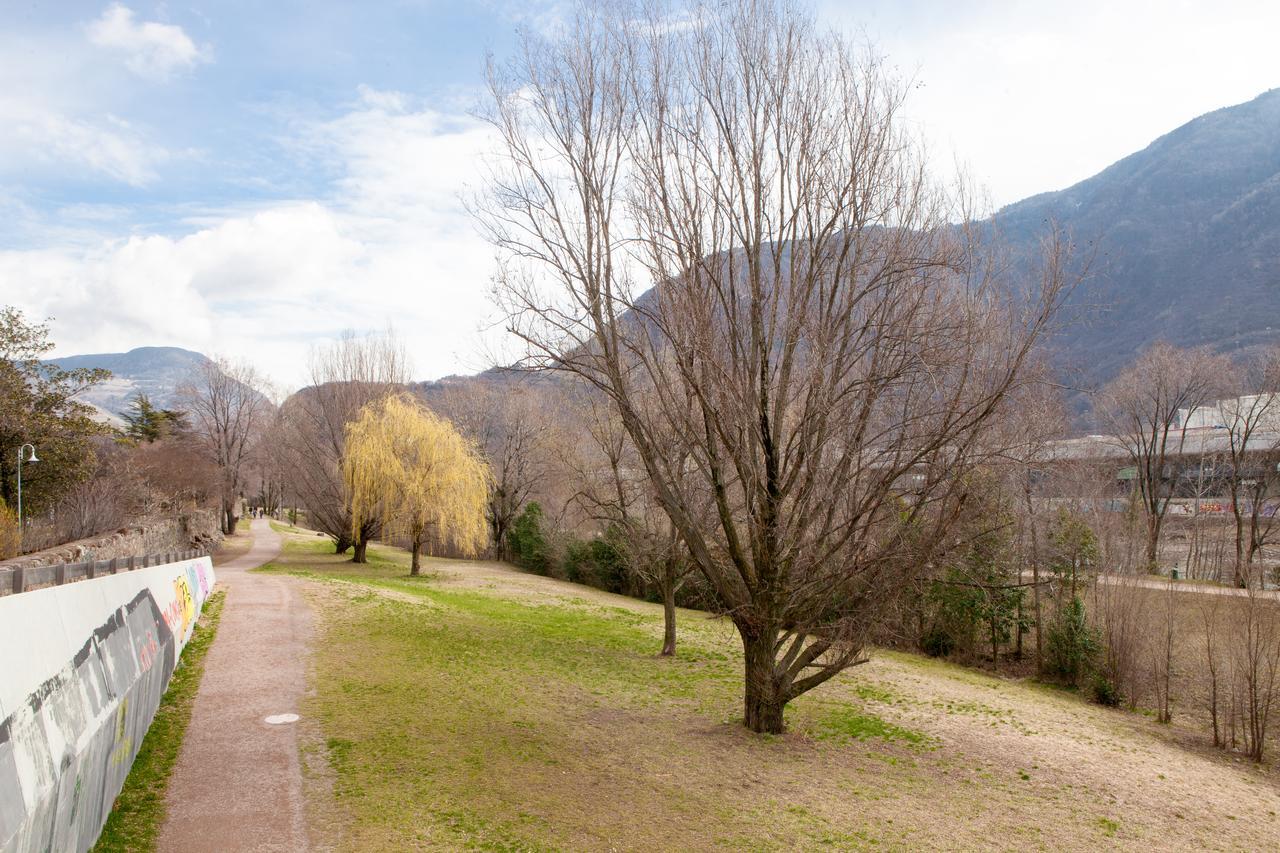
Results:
[22, 457]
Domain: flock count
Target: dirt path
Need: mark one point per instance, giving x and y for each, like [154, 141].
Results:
[1202, 588]
[238, 784]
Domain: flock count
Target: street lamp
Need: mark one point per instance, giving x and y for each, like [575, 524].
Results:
[22, 457]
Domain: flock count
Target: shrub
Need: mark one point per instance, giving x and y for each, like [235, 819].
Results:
[597, 562]
[1072, 645]
[528, 540]
[9, 539]
[1105, 691]
[937, 642]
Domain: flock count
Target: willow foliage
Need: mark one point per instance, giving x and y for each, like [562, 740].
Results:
[414, 472]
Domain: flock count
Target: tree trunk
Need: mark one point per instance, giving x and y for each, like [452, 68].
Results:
[1035, 580]
[1017, 628]
[668, 616]
[764, 700]
[1153, 544]
[359, 549]
[500, 542]
[229, 518]
[1240, 529]
[342, 544]
[415, 561]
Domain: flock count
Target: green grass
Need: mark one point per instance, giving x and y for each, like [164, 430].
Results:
[441, 707]
[844, 724]
[139, 810]
[490, 711]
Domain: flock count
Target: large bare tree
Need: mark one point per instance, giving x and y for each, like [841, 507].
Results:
[345, 376]
[826, 345]
[227, 412]
[1144, 408]
[1252, 419]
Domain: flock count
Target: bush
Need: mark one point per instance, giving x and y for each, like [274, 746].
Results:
[9, 538]
[937, 642]
[597, 562]
[1105, 691]
[1072, 645]
[528, 541]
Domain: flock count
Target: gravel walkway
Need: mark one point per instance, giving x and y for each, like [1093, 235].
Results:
[238, 783]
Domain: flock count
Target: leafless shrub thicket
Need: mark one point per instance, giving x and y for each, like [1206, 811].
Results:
[1242, 659]
[512, 422]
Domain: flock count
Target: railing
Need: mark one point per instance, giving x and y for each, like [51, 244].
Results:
[17, 579]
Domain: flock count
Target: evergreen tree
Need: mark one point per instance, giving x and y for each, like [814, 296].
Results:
[39, 405]
[145, 423]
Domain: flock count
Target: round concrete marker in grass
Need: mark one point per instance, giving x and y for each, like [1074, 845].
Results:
[280, 719]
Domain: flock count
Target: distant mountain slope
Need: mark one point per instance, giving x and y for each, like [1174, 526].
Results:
[154, 371]
[1189, 236]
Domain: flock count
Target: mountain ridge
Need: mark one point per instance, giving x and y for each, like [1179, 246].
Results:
[157, 372]
[1188, 238]
[1187, 232]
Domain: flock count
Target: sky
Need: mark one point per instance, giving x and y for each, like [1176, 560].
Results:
[251, 179]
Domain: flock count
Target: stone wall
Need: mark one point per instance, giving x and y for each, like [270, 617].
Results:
[198, 530]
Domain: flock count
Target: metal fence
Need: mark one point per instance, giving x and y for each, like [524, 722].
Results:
[16, 579]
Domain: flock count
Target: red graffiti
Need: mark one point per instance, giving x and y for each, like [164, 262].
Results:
[148, 649]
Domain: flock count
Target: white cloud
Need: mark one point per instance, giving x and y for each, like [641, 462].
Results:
[389, 246]
[37, 138]
[1034, 97]
[151, 49]
[60, 108]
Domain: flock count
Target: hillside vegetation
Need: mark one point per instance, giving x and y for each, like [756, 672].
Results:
[479, 707]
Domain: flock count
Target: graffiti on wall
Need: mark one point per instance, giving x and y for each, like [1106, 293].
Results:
[101, 655]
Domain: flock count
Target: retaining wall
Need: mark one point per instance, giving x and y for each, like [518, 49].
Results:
[196, 530]
[85, 666]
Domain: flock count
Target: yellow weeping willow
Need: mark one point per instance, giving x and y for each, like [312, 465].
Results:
[414, 472]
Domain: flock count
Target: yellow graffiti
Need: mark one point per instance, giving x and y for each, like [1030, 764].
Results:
[187, 604]
[123, 750]
[122, 711]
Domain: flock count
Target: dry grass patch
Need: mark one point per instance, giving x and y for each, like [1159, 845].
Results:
[519, 713]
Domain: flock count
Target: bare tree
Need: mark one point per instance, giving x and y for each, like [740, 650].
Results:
[1255, 663]
[615, 490]
[227, 413]
[827, 346]
[1252, 420]
[1209, 605]
[270, 469]
[1143, 407]
[1121, 615]
[345, 376]
[1037, 418]
[508, 421]
[1162, 666]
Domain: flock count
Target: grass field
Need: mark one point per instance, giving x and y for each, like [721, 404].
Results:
[484, 708]
[134, 823]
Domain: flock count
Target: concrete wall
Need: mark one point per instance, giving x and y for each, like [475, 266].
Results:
[197, 530]
[85, 666]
